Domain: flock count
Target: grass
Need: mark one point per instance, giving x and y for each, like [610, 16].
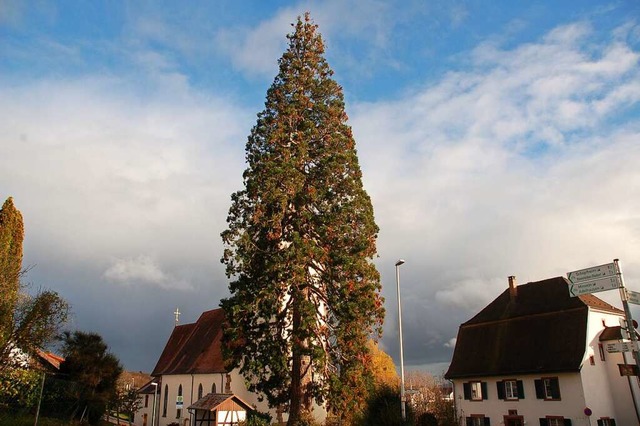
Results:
[8, 419]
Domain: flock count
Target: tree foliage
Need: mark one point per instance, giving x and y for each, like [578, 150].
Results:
[382, 367]
[11, 237]
[305, 295]
[19, 387]
[126, 401]
[93, 369]
[429, 398]
[383, 408]
[27, 322]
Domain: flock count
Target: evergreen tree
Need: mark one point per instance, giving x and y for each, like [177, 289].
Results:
[11, 237]
[305, 295]
[28, 322]
[93, 370]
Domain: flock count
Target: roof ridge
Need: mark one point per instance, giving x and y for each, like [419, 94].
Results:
[520, 317]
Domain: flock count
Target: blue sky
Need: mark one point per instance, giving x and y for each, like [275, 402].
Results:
[495, 139]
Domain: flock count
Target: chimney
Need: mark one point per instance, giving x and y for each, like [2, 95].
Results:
[513, 287]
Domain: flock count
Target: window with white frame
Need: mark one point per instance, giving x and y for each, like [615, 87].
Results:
[477, 420]
[555, 421]
[547, 388]
[510, 389]
[475, 391]
[606, 421]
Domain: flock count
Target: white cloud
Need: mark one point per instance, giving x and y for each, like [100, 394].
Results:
[523, 162]
[142, 270]
[101, 172]
[255, 50]
[511, 167]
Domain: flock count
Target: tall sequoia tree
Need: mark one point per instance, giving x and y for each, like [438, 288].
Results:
[305, 294]
[11, 237]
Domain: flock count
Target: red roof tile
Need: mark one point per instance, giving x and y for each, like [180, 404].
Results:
[194, 348]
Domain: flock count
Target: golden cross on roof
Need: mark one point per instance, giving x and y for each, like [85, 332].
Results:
[177, 314]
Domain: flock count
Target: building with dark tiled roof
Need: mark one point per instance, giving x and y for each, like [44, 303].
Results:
[536, 355]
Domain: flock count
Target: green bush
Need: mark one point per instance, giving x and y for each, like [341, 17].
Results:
[256, 418]
[383, 408]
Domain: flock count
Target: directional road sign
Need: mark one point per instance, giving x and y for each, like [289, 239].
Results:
[633, 297]
[621, 347]
[586, 287]
[593, 273]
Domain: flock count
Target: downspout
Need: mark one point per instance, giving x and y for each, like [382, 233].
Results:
[191, 402]
[455, 405]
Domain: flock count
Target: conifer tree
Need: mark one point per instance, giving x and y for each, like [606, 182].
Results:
[27, 322]
[305, 294]
[11, 237]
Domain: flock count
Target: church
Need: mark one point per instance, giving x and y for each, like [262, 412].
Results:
[190, 380]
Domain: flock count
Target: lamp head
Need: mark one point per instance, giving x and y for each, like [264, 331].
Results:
[399, 262]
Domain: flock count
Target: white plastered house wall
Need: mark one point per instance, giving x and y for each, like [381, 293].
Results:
[606, 391]
[190, 386]
[589, 394]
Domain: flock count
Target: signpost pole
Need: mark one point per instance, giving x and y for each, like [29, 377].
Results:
[627, 314]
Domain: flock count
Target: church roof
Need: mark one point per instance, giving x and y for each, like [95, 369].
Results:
[194, 348]
[539, 329]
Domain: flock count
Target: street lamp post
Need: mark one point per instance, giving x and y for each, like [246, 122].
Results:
[402, 400]
[153, 411]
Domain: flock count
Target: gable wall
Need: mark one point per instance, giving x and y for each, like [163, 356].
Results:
[607, 393]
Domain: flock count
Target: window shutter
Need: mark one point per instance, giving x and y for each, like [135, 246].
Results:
[469, 420]
[544, 422]
[467, 390]
[500, 389]
[555, 389]
[612, 422]
[520, 389]
[600, 422]
[567, 422]
[539, 388]
[487, 421]
[483, 386]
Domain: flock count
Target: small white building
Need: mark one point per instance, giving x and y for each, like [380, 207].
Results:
[537, 356]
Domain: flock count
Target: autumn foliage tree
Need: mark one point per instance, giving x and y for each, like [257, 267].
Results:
[305, 294]
[11, 237]
[28, 322]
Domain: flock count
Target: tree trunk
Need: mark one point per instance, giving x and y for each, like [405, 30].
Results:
[296, 398]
